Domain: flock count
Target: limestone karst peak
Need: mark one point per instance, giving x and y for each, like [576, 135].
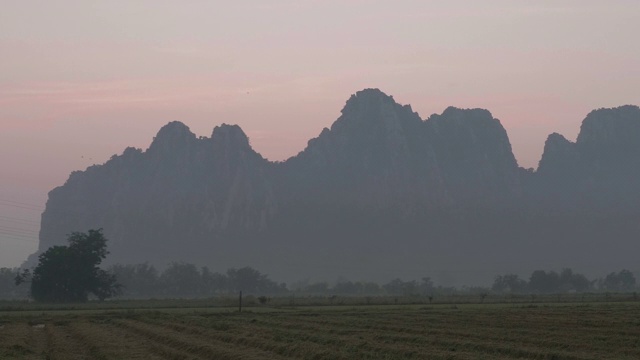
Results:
[230, 135]
[459, 115]
[380, 179]
[173, 135]
[367, 99]
[559, 154]
[371, 109]
[611, 127]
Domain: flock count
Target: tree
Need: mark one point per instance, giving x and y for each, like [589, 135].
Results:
[251, 281]
[346, 287]
[622, 281]
[70, 273]
[8, 288]
[426, 285]
[570, 281]
[509, 283]
[544, 283]
[138, 281]
[245, 279]
[214, 282]
[399, 287]
[316, 288]
[182, 280]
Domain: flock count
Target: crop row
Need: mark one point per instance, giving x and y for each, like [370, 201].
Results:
[602, 331]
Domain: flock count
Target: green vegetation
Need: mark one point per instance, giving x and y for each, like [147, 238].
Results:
[543, 282]
[71, 273]
[182, 280]
[444, 331]
[187, 281]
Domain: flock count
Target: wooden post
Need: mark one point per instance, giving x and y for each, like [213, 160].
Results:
[240, 302]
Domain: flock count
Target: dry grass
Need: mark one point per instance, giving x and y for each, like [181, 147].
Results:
[578, 331]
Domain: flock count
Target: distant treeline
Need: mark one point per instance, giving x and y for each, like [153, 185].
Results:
[183, 280]
[542, 282]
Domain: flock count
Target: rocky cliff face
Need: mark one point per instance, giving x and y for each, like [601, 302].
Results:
[601, 167]
[379, 194]
[374, 155]
[169, 200]
[474, 155]
[381, 151]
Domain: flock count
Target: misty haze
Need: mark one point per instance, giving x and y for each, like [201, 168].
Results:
[381, 194]
[319, 180]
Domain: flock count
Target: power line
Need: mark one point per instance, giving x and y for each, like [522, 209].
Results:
[37, 207]
[23, 242]
[19, 236]
[20, 228]
[21, 203]
[12, 219]
[2, 203]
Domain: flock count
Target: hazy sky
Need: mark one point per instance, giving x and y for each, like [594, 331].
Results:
[81, 80]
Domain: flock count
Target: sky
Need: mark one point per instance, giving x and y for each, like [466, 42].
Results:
[82, 80]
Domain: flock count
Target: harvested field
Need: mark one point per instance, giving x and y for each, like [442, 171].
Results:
[578, 331]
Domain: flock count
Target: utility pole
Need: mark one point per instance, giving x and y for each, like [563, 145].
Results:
[240, 302]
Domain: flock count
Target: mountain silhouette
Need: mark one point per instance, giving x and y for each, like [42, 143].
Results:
[382, 193]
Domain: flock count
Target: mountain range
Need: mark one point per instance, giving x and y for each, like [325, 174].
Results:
[380, 194]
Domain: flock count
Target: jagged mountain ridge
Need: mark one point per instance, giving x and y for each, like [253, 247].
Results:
[603, 165]
[381, 183]
[180, 188]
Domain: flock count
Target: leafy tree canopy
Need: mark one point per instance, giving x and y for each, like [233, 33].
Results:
[509, 283]
[621, 281]
[71, 273]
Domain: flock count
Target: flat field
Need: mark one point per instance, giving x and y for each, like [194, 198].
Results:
[463, 331]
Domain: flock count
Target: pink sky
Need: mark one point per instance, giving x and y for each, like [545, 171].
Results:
[81, 80]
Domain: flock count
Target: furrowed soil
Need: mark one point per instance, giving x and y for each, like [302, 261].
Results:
[567, 331]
